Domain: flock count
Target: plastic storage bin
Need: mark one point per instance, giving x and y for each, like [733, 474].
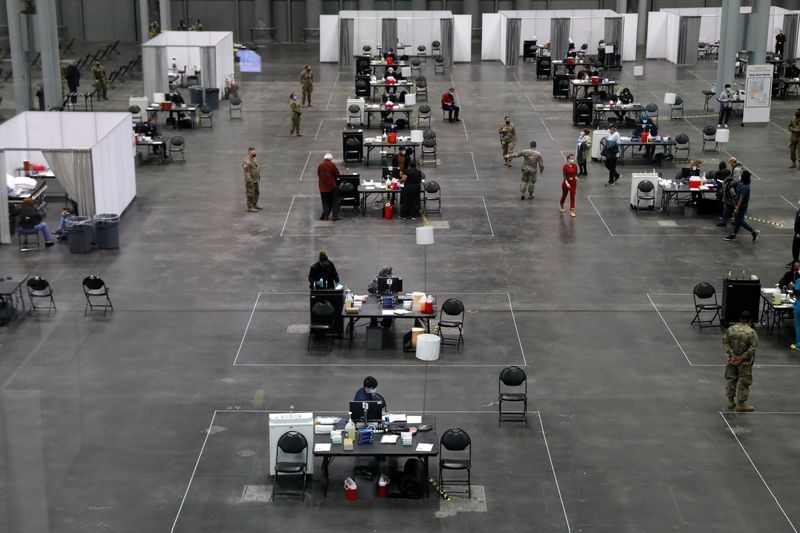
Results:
[107, 231]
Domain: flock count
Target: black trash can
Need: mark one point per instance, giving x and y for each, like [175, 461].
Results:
[107, 231]
[196, 94]
[212, 98]
[79, 231]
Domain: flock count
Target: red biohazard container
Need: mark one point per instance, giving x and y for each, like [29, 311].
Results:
[383, 490]
[26, 164]
[570, 60]
[387, 210]
[389, 60]
[391, 137]
[645, 135]
[595, 79]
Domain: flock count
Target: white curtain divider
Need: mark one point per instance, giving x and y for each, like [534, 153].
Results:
[328, 38]
[462, 38]
[5, 231]
[185, 47]
[113, 171]
[490, 40]
[208, 72]
[74, 171]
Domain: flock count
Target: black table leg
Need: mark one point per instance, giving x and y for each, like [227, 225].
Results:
[424, 460]
[324, 477]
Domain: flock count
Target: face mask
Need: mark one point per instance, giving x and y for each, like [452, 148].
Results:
[571, 160]
[293, 97]
[254, 155]
[371, 391]
[508, 122]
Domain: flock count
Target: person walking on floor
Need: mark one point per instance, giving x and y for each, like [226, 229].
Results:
[739, 342]
[794, 139]
[531, 160]
[582, 150]
[611, 152]
[796, 237]
[725, 106]
[100, 80]
[296, 113]
[327, 172]
[252, 178]
[570, 184]
[508, 138]
[739, 212]
[307, 84]
[729, 190]
[412, 187]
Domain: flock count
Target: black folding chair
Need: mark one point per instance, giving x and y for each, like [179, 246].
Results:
[705, 292]
[512, 386]
[40, 289]
[456, 455]
[290, 445]
[94, 288]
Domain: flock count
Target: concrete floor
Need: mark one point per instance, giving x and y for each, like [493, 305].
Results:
[154, 418]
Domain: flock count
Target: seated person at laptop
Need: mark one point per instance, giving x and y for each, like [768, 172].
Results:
[646, 125]
[322, 274]
[368, 392]
[177, 100]
[150, 129]
[385, 272]
[29, 211]
[789, 279]
[791, 70]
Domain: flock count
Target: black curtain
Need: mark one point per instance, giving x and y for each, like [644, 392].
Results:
[688, 38]
[388, 34]
[513, 29]
[446, 26]
[613, 34]
[346, 27]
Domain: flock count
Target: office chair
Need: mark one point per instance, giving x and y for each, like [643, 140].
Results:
[323, 316]
[645, 192]
[512, 386]
[705, 292]
[290, 443]
[456, 454]
[451, 316]
[94, 288]
[710, 137]
[39, 288]
[177, 146]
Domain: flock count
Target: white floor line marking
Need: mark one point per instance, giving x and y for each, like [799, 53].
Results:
[194, 471]
[475, 166]
[514, 319]
[787, 201]
[306, 165]
[319, 128]
[370, 365]
[783, 130]
[337, 79]
[468, 411]
[701, 79]
[246, 328]
[530, 102]
[765, 413]
[329, 102]
[516, 78]
[601, 216]
[489, 220]
[564, 155]
[464, 124]
[692, 125]
[553, 468]
[547, 129]
[287, 214]
[742, 162]
[764, 481]
[669, 329]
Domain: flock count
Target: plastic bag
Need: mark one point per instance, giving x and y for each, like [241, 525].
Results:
[350, 484]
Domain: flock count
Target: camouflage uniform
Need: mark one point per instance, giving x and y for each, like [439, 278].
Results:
[739, 340]
[296, 112]
[531, 159]
[307, 84]
[508, 140]
[100, 81]
[794, 140]
[252, 177]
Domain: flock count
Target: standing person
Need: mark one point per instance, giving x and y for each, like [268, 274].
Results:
[508, 138]
[610, 153]
[252, 178]
[780, 39]
[570, 184]
[739, 342]
[725, 106]
[796, 237]
[73, 77]
[409, 196]
[322, 274]
[449, 104]
[794, 138]
[582, 149]
[327, 172]
[739, 212]
[296, 113]
[100, 80]
[796, 293]
[728, 186]
[307, 84]
[531, 159]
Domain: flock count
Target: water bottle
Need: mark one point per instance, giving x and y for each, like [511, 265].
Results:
[350, 427]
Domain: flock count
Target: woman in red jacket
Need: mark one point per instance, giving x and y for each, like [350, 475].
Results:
[570, 183]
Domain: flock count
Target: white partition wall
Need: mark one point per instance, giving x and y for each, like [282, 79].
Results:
[91, 155]
[490, 40]
[328, 38]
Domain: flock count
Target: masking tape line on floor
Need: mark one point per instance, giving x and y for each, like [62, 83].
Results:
[765, 221]
[442, 493]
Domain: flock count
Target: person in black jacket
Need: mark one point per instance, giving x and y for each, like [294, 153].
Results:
[796, 238]
[28, 214]
[412, 186]
[788, 281]
[73, 77]
[323, 273]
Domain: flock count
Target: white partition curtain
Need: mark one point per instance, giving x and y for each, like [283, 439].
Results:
[613, 33]
[345, 41]
[513, 28]
[688, 38]
[5, 231]
[74, 171]
[388, 34]
[790, 30]
[559, 37]
[446, 27]
[208, 68]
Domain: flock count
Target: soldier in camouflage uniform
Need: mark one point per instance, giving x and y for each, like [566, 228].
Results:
[296, 112]
[252, 177]
[531, 160]
[740, 341]
[794, 138]
[100, 80]
[307, 84]
[508, 138]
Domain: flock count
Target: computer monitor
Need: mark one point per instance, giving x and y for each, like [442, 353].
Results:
[686, 172]
[372, 409]
[396, 285]
[391, 173]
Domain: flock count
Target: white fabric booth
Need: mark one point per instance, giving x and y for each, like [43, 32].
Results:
[664, 29]
[210, 52]
[91, 155]
[585, 26]
[342, 36]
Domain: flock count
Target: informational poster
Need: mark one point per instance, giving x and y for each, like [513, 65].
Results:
[757, 94]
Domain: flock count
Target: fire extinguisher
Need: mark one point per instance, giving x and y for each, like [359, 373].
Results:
[387, 210]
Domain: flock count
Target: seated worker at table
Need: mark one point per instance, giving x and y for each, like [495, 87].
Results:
[625, 97]
[390, 53]
[788, 280]
[409, 196]
[449, 105]
[150, 129]
[791, 70]
[177, 100]
[385, 98]
[372, 288]
[368, 392]
[391, 77]
[30, 212]
[322, 274]
[583, 74]
[646, 125]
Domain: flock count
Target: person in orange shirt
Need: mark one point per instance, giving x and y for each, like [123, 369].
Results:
[449, 105]
[327, 173]
[570, 184]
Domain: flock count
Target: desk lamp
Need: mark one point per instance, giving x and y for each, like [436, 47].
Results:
[425, 239]
[427, 350]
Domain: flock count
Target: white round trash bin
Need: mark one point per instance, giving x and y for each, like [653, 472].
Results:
[428, 347]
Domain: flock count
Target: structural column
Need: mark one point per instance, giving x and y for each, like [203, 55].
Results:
[419, 5]
[165, 10]
[19, 44]
[312, 16]
[46, 31]
[622, 6]
[522, 5]
[641, 26]
[473, 7]
[366, 5]
[144, 20]
[263, 14]
[757, 31]
[729, 39]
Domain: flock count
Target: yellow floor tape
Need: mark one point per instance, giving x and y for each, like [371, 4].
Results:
[765, 221]
[442, 493]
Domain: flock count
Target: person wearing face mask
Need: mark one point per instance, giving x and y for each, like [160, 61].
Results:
[368, 391]
[508, 138]
[296, 113]
[582, 150]
[794, 138]
[725, 106]
[570, 184]
[252, 177]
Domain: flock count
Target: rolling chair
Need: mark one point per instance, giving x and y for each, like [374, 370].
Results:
[512, 386]
[290, 443]
[456, 455]
[40, 289]
[705, 292]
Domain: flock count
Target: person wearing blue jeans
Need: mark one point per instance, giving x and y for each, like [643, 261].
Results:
[29, 211]
[739, 212]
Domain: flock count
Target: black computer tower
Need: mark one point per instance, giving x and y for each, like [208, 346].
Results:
[739, 295]
[336, 299]
[582, 112]
[561, 86]
[353, 146]
[544, 67]
[362, 86]
[363, 65]
[347, 185]
[529, 50]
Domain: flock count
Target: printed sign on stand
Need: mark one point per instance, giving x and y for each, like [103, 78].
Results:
[757, 94]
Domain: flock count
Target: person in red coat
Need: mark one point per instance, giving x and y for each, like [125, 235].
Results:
[449, 105]
[570, 183]
[327, 173]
